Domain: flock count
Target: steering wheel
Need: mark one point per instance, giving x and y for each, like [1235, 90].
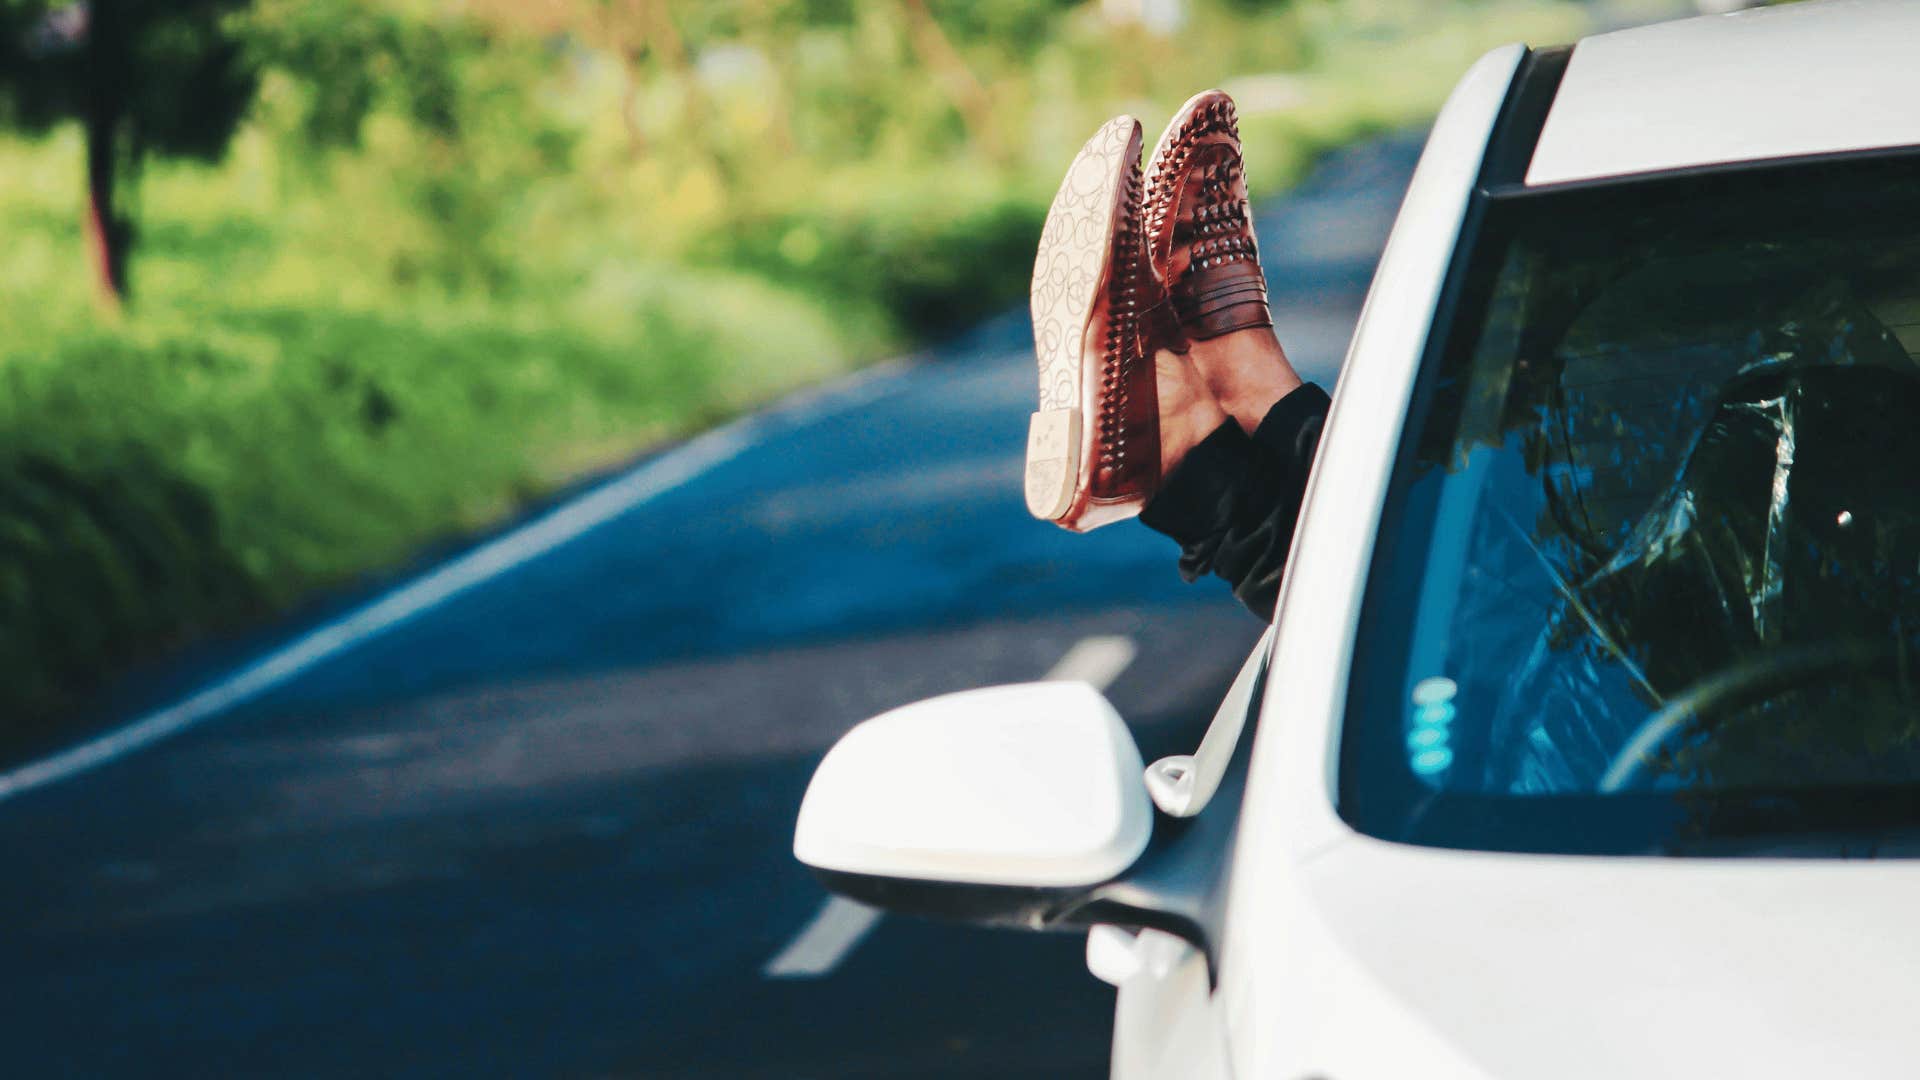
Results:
[1757, 679]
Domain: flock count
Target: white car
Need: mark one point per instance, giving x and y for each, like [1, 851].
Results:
[1586, 740]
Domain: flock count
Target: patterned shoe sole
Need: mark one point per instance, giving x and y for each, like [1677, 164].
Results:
[1097, 205]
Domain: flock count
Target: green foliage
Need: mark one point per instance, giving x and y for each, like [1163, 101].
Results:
[933, 269]
[140, 78]
[249, 439]
[172, 68]
[353, 57]
[456, 255]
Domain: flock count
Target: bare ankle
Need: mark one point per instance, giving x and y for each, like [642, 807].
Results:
[1188, 410]
[1248, 373]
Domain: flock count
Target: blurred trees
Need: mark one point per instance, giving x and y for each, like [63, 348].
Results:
[465, 134]
[770, 131]
[456, 252]
[141, 77]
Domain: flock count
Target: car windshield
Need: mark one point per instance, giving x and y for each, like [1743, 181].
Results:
[1647, 575]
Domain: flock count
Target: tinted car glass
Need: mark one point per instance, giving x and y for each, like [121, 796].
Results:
[1649, 574]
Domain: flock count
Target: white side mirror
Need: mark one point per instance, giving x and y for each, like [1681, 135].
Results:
[1035, 789]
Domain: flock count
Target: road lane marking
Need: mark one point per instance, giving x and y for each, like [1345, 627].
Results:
[824, 942]
[841, 924]
[1096, 661]
[557, 526]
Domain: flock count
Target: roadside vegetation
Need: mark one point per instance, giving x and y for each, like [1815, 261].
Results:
[450, 256]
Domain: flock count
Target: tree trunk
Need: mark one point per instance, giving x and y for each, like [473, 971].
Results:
[109, 233]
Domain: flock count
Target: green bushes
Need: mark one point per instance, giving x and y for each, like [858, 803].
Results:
[454, 260]
[100, 560]
[157, 486]
[932, 270]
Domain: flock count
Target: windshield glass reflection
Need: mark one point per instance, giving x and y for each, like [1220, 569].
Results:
[1657, 540]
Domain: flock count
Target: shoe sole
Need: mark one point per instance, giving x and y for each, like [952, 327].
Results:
[1070, 273]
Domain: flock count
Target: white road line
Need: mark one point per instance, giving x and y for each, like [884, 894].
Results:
[1096, 661]
[566, 522]
[824, 942]
[841, 924]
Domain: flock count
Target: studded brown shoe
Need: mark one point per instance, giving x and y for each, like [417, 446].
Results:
[1099, 316]
[1199, 225]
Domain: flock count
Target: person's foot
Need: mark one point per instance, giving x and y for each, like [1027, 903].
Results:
[1101, 322]
[1200, 243]
[1199, 225]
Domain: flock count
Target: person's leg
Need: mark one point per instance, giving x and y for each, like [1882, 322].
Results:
[1188, 410]
[1247, 372]
[1233, 507]
[1201, 242]
[1234, 478]
[1173, 403]
[1121, 402]
[1234, 498]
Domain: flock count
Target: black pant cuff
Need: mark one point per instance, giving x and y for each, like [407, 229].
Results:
[1195, 499]
[1292, 427]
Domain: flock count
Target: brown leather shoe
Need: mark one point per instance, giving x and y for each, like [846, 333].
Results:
[1099, 315]
[1199, 224]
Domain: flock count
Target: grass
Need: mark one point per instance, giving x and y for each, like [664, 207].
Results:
[251, 433]
[336, 358]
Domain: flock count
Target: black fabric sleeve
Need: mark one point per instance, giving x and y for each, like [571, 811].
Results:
[1234, 500]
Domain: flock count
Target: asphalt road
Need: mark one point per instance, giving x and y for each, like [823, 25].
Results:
[533, 817]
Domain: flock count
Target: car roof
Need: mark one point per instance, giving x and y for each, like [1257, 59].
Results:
[1814, 78]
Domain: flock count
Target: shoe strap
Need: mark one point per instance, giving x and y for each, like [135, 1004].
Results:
[1222, 299]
